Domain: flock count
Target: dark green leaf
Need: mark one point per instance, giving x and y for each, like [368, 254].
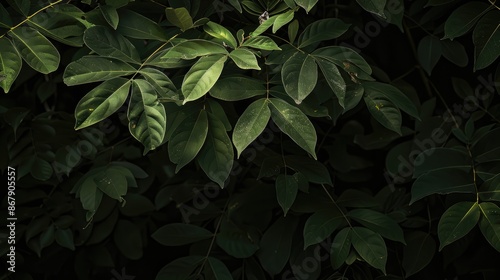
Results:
[137, 26]
[383, 110]
[251, 124]
[202, 76]
[322, 30]
[179, 17]
[293, 30]
[35, 49]
[235, 241]
[5, 19]
[454, 52]
[101, 102]
[486, 38]
[286, 191]
[433, 159]
[429, 52]
[373, 6]
[89, 69]
[295, 124]
[41, 169]
[146, 115]
[418, 252]
[194, 48]
[322, 224]
[394, 95]
[370, 246]
[111, 182]
[237, 88]
[10, 64]
[64, 237]
[341, 247]
[110, 15]
[333, 78]
[379, 223]
[105, 42]
[299, 76]
[177, 234]
[345, 58]
[457, 221]
[464, 18]
[128, 239]
[161, 82]
[306, 4]
[490, 223]
[179, 269]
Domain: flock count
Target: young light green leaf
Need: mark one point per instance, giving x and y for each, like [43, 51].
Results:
[333, 78]
[379, 223]
[110, 15]
[341, 246]
[282, 19]
[295, 124]
[101, 102]
[244, 59]
[10, 64]
[299, 76]
[202, 76]
[262, 43]
[429, 52]
[490, 223]
[486, 38]
[322, 30]
[220, 32]
[146, 115]
[464, 18]
[251, 124]
[188, 139]
[373, 6]
[370, 246]
[457, 221]
[218, 269]
[179, 17]
[104, 42]
[306, 4]
[394, 95]
[321, 224]
[418, 253]
[194, 48]
[89, 69]
[276, 244]
[216, 156]
[383, 110]
[177, 234]
[137, 26]
[286, 191]
[35, 49]
[237, 88]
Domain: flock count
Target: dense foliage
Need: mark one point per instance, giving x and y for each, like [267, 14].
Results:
[251, 139]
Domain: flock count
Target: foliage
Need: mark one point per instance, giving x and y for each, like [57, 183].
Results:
[267, 139]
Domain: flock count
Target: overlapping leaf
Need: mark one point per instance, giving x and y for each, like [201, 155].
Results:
[105, 42]
[251, 124]
[202, 76]
[322, 30]
[89, 69]
[299, 76]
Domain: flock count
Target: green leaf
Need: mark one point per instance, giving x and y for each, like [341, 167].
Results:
[418, 252]
[344, 57]
[341, 246]
[89, 69]
[299, 76]
[244, 59]
[486, 37]
[394, 95]
[443, 181]
[161, 82]
[262, 43]
[179, 17]
[236, 241]
[251, 124]
[101, 102]
[111, 182]
[41, 169]
[314, 170]
[490, 223]
[333, 78]
[35, 49]
[322, 224]
[383, 110]
[286, 191]
[295, 124]
[188, 139]
[128, 239]
[90, 195]
[379, 223]
[455, 52]
[179, 269]
[105, 42]
[457, 221]
[373, 6]
[370, 246]
[237, 88]
[220, 32]
[217, 155]
[10, 64]
[110, 14]
[293, 29]
[429, 52]
[15, 116]
[282, 19]
[60, 25]
[490, 189]
[464, 18]
[236, 4]
[322, 30]
[433, 159]
[64, 237]
[202, 76]
[137, 26]
[177, 234]
[218, 269]
[5, 19]
[276, 244]
[146, 115]
[194, 48]
[306, 4]
[263, 25]
[215, 107]
[22, 6]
